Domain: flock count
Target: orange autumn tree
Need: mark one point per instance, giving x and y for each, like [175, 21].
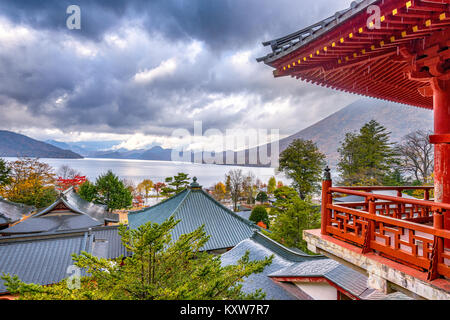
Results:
[219, 191]
[145, 187]
[31, 182]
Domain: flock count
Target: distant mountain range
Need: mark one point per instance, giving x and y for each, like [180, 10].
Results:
[17, 145]
[328, 133]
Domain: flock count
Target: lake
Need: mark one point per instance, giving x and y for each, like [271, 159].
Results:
[138, 170]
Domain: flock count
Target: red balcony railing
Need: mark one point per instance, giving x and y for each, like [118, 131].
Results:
[409, 231]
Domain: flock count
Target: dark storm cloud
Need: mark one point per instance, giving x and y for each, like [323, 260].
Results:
[197, 59]
[221, 24]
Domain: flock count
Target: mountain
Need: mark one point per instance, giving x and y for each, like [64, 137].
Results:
[17, 145]
[155, 153]
[85, 148]
[329, 132]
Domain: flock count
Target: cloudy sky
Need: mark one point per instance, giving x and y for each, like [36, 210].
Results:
[138, 70]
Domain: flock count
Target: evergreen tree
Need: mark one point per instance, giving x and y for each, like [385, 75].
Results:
[5, 172]
[303, 163]
[259, 213]
[366, 158]
[158, 269]
[175, 184]
[262, 197]
[290, 216]
[88, 191]
[112, 192]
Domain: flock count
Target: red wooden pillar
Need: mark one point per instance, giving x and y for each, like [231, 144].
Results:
[326, 199]
[441, 139]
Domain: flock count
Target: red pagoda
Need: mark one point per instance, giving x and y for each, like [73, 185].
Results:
[394, 50]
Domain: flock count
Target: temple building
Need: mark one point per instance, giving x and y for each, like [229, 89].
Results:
[45, 258]
[394, 50]
[68, 212]
[39, 249]
[11, 213]
[194, 207]
[295, 275]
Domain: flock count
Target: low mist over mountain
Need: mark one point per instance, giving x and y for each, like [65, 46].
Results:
[328, 133]
[17, 145]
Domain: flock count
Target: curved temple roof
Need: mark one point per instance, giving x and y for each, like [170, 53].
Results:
[385, 56]
[45, 258]
[82, 214]
[194, 207]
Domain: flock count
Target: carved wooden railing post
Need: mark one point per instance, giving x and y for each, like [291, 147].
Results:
[438, 245]
[370, 231]
[326, 199]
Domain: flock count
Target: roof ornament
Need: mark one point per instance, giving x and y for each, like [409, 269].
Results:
[195, 185]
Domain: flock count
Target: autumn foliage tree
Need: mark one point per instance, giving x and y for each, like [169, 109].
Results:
[158, 187]
[219, 191]
[31, 182]
[145, 187]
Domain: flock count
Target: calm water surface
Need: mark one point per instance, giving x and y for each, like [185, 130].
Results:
[137, 170]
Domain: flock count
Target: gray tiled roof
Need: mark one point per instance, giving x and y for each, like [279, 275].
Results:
[287, 44]
[74, 202]
[311, 268]
[86, 215]
[40, 261]
[52, 224]
[44, 258]
[261, 280]
[11, 212]
[260, 247]
[194, 207]
[348, 279]
[292, 264]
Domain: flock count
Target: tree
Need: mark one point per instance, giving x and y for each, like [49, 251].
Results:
[5, 172]
[145, 187]
[249, 188]
[112, 192]
[259, 213]
[271, 186]
[219, 191]
[262, 197]
[366, 158]
[417, 156]
[158, 187]
[235, 178]
[88, 191]
[291, 215]
[66, 172]
[175, 184]
[158, 269]
[31, 182]
[303, 163]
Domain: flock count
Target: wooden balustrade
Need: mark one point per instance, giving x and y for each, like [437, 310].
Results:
[394, 227]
